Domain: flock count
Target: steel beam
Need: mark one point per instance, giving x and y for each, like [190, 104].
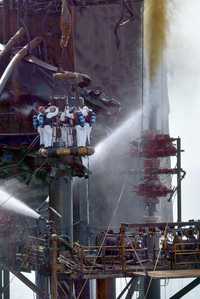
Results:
[12, 42]
[186, 289]
[132, 280]
[131, 289]
[161, 224]
[83, 3]
[25, 280]
[4, 284]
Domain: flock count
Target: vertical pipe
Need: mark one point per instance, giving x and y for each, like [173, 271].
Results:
[6, 20]
[153, 290]
[83, 236]
[88, 207]
[6, 283]
[54, 279]
[152, 286]
[1, 282]
[179, 208]
[42, 282]
[122, 247]
[19, 11]
[61, 199]
[66, 208]
[106, 288]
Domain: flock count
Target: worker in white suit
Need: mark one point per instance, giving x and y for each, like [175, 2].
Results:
[79, 121]
[49, 128]
[67, 120]
[38, 123]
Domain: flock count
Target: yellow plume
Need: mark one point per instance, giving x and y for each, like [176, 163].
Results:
[155, 32]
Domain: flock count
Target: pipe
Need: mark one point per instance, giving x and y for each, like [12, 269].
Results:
[83, 80]
[16, 59]
[12, 41]
[65, 151]
[54, 277]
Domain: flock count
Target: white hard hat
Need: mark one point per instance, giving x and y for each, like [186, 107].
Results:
[52, 111]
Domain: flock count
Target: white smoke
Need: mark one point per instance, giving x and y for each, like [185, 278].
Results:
[26, 110]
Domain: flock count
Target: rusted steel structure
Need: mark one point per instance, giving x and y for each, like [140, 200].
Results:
[130, 252]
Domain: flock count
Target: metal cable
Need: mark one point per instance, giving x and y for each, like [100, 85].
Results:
[157, 259]
[137, 256]
[108, 228]
[156, 263]
[38, 169]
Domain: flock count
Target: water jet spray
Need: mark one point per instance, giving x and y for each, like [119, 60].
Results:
[9, 202]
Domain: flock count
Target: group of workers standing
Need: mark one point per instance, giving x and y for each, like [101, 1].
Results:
[70, 127]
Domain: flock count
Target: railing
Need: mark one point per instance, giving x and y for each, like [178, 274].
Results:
[186, 253]
[105, 257]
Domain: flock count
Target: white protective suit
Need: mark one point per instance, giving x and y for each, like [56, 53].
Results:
[66, 129]
[83, 133]
[41, 133]
[88, 128]
[48, 136]
[48, 130]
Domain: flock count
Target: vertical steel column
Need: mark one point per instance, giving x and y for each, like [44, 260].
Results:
[61, 199]
[66, 208]
[83, 211]
[19, 12]
[1, 283]
[152, 288]
[42, 282]
[54, 277]
[82, 197]
[6, 20]
[6, 284]
[106, 289]
[179, 203]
